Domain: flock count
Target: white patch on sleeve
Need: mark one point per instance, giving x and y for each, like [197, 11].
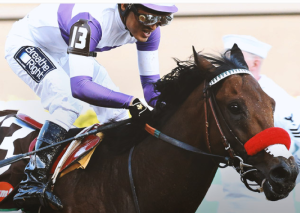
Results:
[148, 62]
[278, 150]
[81, 65]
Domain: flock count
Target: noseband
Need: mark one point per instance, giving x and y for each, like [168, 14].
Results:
[233, 160]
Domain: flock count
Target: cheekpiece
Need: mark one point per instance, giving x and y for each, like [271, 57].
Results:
[226, 74]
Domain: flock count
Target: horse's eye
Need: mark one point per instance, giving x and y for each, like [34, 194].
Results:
[234, 108]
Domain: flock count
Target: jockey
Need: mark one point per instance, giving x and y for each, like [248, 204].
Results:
[52, 50]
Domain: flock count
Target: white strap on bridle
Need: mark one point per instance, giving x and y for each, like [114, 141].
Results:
[228, 73]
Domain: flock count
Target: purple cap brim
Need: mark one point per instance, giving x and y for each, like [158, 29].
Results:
[161, 8]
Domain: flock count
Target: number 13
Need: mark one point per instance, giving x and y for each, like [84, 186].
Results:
[82, 38]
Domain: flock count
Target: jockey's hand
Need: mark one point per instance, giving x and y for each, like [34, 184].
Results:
[139, 111]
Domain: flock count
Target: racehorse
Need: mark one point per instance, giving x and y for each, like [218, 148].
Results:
[212, 104]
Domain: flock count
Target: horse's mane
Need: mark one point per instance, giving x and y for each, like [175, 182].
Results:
[173, 89]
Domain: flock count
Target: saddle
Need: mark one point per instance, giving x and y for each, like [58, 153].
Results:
[80, 155]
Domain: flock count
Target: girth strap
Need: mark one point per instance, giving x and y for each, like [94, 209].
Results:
[136, 202]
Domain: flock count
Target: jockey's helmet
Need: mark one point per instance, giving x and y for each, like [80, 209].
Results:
[165, 8]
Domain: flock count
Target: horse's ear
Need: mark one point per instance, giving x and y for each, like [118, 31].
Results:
[201, 62]
[237, 55]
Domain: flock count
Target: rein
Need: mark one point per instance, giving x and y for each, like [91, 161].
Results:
[209, 100]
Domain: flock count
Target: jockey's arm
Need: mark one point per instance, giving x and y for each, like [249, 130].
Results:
[84, 39]
[149, 65]
[85, 89]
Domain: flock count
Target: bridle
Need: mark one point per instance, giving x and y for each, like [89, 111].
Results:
[233, 159]
[210, 100]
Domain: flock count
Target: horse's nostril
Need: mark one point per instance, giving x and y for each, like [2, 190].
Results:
[279, 173]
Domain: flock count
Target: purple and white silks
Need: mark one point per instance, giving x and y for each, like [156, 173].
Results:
[86, 90]
[148, 88]
[65, 23]
[82, 85]
[147, 81]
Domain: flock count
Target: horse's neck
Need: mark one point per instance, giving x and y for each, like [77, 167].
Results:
[168, 174]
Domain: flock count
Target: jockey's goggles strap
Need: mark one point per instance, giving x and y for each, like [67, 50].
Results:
[147, 19]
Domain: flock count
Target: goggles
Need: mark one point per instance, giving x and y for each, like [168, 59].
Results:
[147, 19]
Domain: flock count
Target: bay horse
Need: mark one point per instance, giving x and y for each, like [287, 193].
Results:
[211, 104]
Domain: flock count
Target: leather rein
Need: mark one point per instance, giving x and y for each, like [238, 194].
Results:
[232, 160]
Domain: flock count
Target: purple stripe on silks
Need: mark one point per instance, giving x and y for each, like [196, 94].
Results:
[148, 88]
[65, 23]
[96, 31]
[152, 43]
[64, 15]
[85, 89]
[105, 49]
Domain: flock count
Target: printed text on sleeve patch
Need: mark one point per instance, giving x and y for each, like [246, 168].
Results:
[34, 62]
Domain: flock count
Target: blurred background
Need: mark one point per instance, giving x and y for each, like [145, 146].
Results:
[198, 24]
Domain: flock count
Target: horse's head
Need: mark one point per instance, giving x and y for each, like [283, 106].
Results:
[245, 114]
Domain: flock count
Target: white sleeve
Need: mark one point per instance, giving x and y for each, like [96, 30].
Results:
[148, 62]
[81, 65]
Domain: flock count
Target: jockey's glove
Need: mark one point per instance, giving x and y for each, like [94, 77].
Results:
[140, 113]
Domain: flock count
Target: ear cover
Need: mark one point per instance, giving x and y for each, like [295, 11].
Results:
[237, 56]
[268, 137]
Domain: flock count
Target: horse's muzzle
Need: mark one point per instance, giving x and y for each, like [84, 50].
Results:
[281, 180]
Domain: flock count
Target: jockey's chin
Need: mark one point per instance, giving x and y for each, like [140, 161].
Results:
[142, 32]
[142, 36]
